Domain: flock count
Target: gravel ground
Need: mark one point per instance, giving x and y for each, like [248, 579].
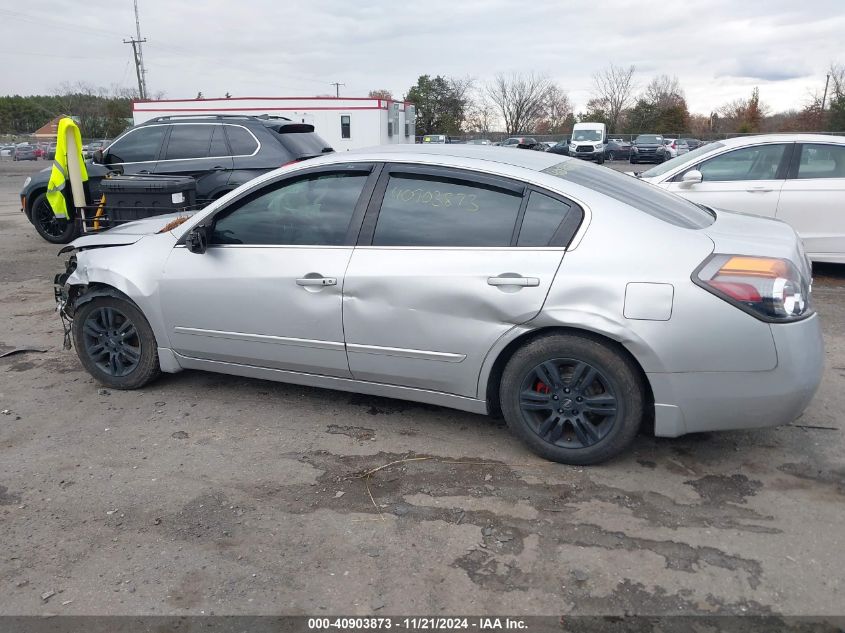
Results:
[207, 493]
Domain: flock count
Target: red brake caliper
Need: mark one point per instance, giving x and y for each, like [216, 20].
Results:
[542, 387]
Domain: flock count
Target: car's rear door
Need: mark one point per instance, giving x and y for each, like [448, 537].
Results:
[748, 179]
[267, 291]
[199, 151]
[444, 267]
[812, 200]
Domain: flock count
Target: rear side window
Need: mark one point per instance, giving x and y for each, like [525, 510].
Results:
[545, 222]
[821, 161]
[632, 191]
[432, 211]
[759, 162]
[241, 141]
[189, 141]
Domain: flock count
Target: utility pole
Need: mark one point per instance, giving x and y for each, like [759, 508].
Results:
[337, 86]
[824, 97]
[140, 71]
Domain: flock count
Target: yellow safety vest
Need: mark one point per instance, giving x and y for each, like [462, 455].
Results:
[58, 176]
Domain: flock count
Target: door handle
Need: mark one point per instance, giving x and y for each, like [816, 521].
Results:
[513, 281]
[144, 171]
[758, 189]
[316, 281]
[218, 168]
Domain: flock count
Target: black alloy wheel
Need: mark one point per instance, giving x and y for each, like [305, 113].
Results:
[568, 403]
[111, 341]
[54, 230]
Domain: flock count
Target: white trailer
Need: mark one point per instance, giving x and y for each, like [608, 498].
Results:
[345, 122]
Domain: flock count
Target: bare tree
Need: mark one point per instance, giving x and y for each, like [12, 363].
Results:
[613, 87]
[481, 115]
[520, 99]
[558, 114]
[381, 94]
[664, 92]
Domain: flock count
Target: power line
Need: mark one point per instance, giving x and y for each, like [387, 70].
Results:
[337, 86]
[142, 74]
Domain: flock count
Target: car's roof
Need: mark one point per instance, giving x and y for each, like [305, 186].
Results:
[773, 138]
[527, 159]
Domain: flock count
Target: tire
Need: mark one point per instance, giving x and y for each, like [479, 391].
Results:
[54, 230]
[587, 369]
[115, 343]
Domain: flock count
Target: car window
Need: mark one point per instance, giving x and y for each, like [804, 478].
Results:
[240, 140]
[543, 216]
[640, 195]
[669, 165]
[749, 163]
[433, 211]
[139, 145]
[821, 161]
[315, 210]
[218, 142]
[188, 141]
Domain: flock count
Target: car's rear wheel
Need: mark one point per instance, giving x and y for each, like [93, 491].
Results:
[115, 343]
[53, 229]
[572, 399]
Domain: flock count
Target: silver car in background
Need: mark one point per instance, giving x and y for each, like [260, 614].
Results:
[575, 300]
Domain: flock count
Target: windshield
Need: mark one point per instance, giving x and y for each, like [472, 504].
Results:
[648, 139]
[640, 195]
[586, 135]
[669, 165]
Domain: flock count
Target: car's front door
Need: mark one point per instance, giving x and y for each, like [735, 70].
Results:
[748, 179]
[199, 151]
[447, 265]
[812, 200]
[267, 291]
[136, 152]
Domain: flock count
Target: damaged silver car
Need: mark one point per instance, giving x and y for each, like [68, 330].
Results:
[578, 302]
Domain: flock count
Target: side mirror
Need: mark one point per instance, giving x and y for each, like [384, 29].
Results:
[97, 156]
[692, 177]
[197, 240]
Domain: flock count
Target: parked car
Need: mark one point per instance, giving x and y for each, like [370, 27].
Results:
[24, 152]
[671, 148]
[6, 151]
[589, 140]
[435, 138]
[50, 152]
[693, 143]
[521, 142]
[39, 151]
[93, 146]
[467, 244]
[479, 141]
[797, 178]
[561, 147]
[220, 151]
[617, 149]
[644, 149]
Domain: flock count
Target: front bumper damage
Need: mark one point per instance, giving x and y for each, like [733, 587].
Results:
[64, 301]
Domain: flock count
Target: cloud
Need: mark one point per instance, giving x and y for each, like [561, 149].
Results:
[766, 69]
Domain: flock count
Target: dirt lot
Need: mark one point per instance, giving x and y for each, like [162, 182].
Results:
[207, 493]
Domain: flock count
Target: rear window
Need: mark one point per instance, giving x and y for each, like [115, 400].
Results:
[642, 196]
[303, 144]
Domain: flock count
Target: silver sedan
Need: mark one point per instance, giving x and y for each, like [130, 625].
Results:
[578, 302]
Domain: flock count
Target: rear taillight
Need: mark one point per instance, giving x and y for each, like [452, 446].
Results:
[769, 288]
[674, 146]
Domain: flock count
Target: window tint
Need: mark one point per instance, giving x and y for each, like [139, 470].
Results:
[423, 211]
[139, 145]
[218, 142]
[749, 163]
[640, 195]
[189, 141]
[240, 140]
[345, 126]
[543, 217]
[822, 161]
[310, 211]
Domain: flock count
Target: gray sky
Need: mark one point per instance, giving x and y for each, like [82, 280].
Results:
[719, 49]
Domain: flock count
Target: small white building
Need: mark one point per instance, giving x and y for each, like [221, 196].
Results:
[345, 122]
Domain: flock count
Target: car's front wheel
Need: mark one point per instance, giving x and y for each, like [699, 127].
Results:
[572, 399]
[53, 229]
[115, 343]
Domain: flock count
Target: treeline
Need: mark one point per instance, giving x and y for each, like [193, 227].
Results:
[100, 112]
[530, 103]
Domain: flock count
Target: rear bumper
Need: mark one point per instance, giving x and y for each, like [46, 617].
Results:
[718, 401]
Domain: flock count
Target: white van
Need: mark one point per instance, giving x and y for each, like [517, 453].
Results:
[589, 141]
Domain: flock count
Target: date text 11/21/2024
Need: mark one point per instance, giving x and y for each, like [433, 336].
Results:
[417, 623]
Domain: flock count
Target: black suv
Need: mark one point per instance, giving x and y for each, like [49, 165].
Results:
[221, 152]
[644, 149]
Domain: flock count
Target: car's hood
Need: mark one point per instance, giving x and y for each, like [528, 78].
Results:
[742, 234]
[124, 234]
